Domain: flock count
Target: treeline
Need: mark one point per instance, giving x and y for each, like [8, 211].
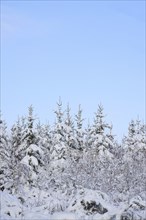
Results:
[66, 155]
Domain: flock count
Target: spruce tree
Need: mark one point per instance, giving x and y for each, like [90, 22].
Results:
[134, 158]
[58, 150]
[79, 129]
[16, 141]
[5, 156]
[69, 129]
[16, 137]
[44, 139]
[100, 139]
[28, 135]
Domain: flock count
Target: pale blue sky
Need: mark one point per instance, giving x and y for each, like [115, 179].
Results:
[87, 52]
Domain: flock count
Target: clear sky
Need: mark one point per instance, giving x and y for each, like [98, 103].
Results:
[87, 52]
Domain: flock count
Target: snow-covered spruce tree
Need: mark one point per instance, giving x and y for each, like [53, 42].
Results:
[74, 150]
[16, 134]
[5, 156]
[135, 142]
[16, 141]
[100, 140]
[129, 140]
[28, 136]
[44, 139]
[69, 129]
[98, 155]
[79, 129]
[58, 150]
[134, 159]
[29, 153]
[87, 136]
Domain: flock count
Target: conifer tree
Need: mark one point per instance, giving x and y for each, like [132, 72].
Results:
[134, 158]
[69, 129]
[130, 139]
[58, 150]
[44, 139]
[5, 156]
[16, 141]
[28, 134]
[136, 135]
[30, 154]
[99, 139]
[79, 129]
[59, 113]
[16, 138]
[99, 123]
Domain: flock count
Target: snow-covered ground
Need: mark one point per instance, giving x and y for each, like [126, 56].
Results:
[86, 204]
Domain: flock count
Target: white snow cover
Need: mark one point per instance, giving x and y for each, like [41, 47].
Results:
[27, 160]
[84, 197]
[63, 216]
[35, 216]
[39, 207]
[11, 207]
[35, 148]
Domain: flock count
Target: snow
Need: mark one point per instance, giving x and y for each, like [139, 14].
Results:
[10, 206]
[33, 161]
[35, 148]
[63, 216]
[35, 216]
[104, 153]
[25, 160]
[29, 160]
[86, 204]
[89, 202]
[5, 217]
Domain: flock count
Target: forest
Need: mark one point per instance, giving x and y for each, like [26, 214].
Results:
[71, 171]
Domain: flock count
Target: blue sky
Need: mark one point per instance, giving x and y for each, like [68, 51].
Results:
[87, 52]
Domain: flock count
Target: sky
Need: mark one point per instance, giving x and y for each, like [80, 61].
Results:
[86, 52]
